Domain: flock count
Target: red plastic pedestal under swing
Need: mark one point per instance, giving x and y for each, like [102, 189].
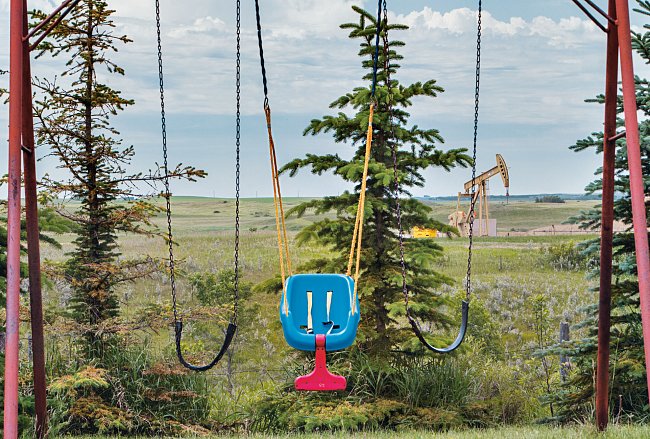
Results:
[321, 378]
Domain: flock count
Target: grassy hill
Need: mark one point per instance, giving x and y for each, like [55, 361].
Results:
[518, 216]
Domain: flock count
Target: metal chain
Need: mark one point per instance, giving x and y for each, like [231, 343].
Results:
[237, 165]
[376, 57]
[178, 323]
[395, 164]
[398, 205]
[468, 284]
[170, 236]
[261, 48]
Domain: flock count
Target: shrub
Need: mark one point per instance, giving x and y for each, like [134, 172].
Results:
[423, 392]
[426, 382]
[567, 256]
[300, 412]
[128, 392]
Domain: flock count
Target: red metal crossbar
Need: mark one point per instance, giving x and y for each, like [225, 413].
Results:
[47, 19]
[61, 15]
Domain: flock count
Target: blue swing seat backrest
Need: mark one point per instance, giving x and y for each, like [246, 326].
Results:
[342, 330]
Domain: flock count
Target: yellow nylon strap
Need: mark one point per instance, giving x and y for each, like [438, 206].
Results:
[280, 225]
[358, 225]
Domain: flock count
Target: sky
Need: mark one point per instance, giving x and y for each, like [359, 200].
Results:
[540, 60]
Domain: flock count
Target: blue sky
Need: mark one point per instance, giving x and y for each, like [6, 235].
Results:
[541, 60]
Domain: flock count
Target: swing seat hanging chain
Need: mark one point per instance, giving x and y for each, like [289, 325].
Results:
[465, 304]
[281, 228]
[280, 222]
[178, 323]
[357, 235]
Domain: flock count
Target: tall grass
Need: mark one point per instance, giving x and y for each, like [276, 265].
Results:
[531, 432]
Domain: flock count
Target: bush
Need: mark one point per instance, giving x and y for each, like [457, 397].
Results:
[129, 392]
[438, 382]
[300, 412]
[501, 395]
[567, 256]
[405, 392]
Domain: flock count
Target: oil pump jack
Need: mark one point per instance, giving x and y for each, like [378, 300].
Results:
[460, 219]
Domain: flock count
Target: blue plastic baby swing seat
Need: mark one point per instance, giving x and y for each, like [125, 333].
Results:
[339, 324]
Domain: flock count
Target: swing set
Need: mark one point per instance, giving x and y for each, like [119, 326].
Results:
[319, 312]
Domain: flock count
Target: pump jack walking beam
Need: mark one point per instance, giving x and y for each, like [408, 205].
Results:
[21, 143]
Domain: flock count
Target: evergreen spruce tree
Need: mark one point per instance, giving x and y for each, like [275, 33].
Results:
[75, 114]
[380, 286]
[628, 392]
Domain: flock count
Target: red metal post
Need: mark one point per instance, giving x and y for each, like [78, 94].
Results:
[636, 172]
[17, 13]
[33, 244]
[607, 224]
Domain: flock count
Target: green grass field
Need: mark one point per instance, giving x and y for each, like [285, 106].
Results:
[507, 273]
[518, 216]
[505, 270]
[203, 228]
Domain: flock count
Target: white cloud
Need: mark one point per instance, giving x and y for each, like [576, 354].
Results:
[564, 32]
[199, 26]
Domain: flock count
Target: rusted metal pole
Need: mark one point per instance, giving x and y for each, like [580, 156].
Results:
[607, 224]
[17, 12]
[590, 15]
[611, 18]
[636, 173]
[33, 245]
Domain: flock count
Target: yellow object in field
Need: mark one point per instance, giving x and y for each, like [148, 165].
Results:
[422, 232]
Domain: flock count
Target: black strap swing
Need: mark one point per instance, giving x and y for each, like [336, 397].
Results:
[178, 323]
[465, 304]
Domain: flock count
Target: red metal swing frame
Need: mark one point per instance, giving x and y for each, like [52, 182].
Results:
[22, 160]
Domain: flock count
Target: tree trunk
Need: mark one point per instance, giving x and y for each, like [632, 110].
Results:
[94, 252]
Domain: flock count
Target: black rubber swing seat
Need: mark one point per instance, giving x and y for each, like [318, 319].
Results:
[455, 344]
[230, 334]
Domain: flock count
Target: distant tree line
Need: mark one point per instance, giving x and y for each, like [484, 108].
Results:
[549, 199]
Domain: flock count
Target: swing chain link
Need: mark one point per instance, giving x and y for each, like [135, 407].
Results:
[395, 163]
[178, 323]
[170, 236]
[468, 284]
[265, 84]
[393, 136]
[237, 165]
